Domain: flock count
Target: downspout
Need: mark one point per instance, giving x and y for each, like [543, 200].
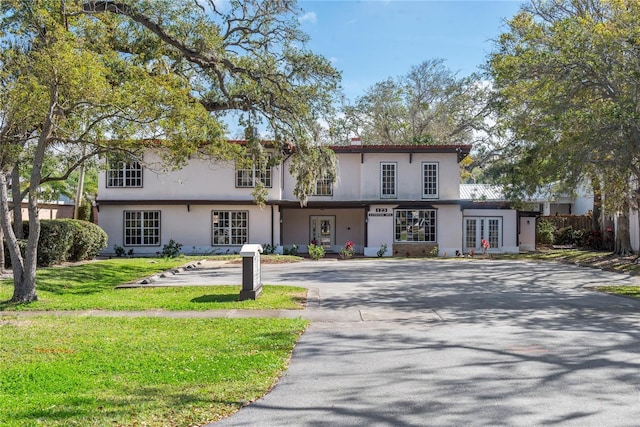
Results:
[366, 226]
[272, 231]
[281, 229]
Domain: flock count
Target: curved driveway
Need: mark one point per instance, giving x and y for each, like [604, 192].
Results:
[407, 342]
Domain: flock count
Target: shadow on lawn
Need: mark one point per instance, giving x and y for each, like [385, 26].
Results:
[216, 298]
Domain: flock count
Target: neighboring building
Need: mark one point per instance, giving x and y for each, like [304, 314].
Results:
[405, 197]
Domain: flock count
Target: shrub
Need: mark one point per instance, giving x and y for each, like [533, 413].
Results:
[268, 249]
[291, 251]
[570, 236]
[22, 244]
[56, 240]
[545, 232]
[65, 240]
[88, 240]
[315, 252]
[85, 210]
[382, 250]
[119, 250]
[434, 251]
[171, 249]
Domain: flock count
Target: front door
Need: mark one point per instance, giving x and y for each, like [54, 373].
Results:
[323, 231]
[476, 229]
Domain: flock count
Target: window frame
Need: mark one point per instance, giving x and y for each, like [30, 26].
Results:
[232, 240]
[143, 228]
[247, 177]
[436, 177]
[395, 180]
[323, 183]
[125, 172]
[484, 229]
[430, 215]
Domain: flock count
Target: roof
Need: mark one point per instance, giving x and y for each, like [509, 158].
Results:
[462, 150]
[481, 192]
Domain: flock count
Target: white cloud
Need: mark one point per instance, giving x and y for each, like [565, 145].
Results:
[309, 17]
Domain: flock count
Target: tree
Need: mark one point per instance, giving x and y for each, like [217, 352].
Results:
[567, 85]
[429, 105]
[78, 80]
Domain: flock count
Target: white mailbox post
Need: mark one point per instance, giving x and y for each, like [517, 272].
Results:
[251, 279]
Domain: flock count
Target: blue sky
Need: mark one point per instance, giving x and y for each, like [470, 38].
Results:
[375, 39]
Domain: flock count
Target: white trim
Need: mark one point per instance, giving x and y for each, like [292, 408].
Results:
[436, 194]
[395, 180]
[481, 230]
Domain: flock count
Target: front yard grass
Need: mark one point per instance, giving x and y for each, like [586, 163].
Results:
[597, 259]
[96, 371]
[92, 286]
[197, 298]
[145, 371]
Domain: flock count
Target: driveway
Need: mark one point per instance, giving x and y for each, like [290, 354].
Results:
[406, 342]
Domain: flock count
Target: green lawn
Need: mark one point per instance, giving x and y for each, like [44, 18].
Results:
[93, 371]
[144, 371]
[92, 286]
[626, 291]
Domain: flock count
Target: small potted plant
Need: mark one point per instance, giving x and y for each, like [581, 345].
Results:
[347, 250]
[485, 246]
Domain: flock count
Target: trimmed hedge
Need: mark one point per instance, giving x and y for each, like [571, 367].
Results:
[65, 240]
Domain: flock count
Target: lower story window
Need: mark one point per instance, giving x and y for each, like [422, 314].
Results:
[229, 227]
[415, 225]
[142, 228]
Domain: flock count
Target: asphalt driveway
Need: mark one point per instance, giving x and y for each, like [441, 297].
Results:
[406, 342]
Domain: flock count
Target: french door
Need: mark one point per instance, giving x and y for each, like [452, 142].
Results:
[478, 228]
[323, 229]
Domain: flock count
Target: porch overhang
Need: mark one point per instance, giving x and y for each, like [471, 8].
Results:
[352, 204]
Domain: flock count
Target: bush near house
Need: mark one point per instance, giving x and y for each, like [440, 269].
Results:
[64, 240]
[569, 230]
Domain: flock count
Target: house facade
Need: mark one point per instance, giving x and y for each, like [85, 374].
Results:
[402, 198]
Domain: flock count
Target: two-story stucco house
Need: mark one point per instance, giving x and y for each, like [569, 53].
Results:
[404, 197]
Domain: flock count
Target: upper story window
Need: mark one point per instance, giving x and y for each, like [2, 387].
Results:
[430, 180]
[124, 174]
[248, 177]
[324, 187]
[388, 181]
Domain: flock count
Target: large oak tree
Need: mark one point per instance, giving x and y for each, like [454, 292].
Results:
[80, 79]
[428, 105]
[567, 79]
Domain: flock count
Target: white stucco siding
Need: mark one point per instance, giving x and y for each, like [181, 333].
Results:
[380, 225]
[527, 234]
[359, 176]
[449, 230]
[347, 186]
[409, 174]
[191, 227]
[198, 180]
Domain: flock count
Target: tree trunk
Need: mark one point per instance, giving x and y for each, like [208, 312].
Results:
[23, 290]
[16, 196]
[597, 205]
[623, 236]
[2, 263]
